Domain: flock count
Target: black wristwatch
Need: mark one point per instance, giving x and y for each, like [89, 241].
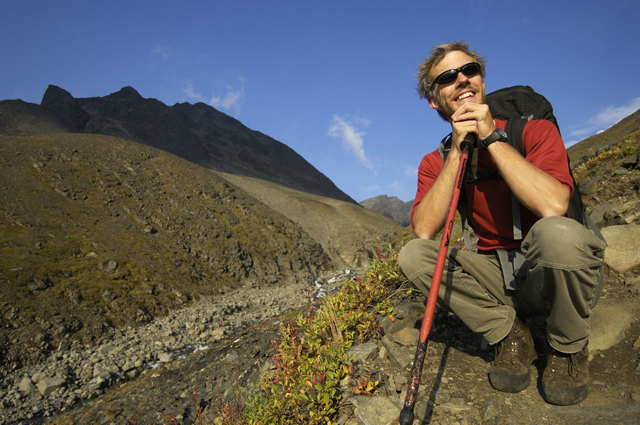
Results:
[496, 136]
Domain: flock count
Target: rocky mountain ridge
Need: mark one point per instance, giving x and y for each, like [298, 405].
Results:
[390, 206]
[199, 133]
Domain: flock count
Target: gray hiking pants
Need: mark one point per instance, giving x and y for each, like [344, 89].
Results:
[563, 281]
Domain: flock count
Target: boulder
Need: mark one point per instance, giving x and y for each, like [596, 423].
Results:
[48, 385]
[623, 250]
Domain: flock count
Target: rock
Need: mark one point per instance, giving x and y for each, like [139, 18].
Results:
[48, 385]
[26, 385]
[217, 334]
[490, 411]
[608, 325]
[363, 351]
[376, 410]
[108, 295]
[150, 229]
[620, 172]
[407, 336]
[111, 266]
[598, 213]
[623, 250]
[625, 413]
[630, 162]
[166, 357]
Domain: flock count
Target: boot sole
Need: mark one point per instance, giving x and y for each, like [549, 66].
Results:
[509, 383]
[564, 396]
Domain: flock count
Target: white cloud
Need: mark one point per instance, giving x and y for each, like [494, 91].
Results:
[163, 51]
[231, 101]
[411, 171]
[348, 129]
[395, 185]
[373, 188]
[187, 89]
[611, 115]
[605, 119]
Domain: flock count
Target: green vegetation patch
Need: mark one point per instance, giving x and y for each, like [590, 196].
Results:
[310, 361]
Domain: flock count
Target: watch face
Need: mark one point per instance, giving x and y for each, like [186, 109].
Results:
[496, 135]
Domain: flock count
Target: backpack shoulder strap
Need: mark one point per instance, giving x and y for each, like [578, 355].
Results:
[514, 129]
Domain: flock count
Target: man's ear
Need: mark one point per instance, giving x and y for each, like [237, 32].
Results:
[433, 103]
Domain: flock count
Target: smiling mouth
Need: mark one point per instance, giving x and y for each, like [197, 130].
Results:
[465, 95]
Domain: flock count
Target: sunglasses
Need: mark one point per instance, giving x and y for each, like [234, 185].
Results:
[469, 70]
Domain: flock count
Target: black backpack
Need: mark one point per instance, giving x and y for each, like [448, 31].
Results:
[517, 105]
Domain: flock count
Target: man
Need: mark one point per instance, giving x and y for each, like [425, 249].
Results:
[562, 276]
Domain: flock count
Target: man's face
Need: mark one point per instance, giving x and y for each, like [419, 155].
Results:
[450, 97]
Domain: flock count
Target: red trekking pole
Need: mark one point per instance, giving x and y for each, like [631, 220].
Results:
[406, 415]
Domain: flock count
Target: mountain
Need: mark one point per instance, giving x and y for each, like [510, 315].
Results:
[391, 207]
[589, 147]
[19, 118]
[198, 133]
[102, 232]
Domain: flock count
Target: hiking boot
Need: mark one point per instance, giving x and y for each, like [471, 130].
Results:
[566, 377]
[510, 371]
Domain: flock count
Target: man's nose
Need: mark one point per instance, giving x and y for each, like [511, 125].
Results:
[461, 78]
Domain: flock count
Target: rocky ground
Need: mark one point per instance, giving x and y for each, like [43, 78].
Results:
[221, 330]
[212, 351]
[150, 374]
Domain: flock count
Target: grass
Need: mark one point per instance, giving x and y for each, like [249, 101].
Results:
[310, 362]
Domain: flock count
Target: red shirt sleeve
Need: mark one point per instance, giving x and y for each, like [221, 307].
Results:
[545, 149]
[429, 169]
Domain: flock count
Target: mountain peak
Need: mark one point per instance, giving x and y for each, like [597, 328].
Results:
[127, 92]
[65, 107]
[55, 95]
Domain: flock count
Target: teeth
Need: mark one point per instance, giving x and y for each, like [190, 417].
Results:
[465, 95]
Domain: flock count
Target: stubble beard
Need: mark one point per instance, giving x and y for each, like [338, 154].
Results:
[446, 108]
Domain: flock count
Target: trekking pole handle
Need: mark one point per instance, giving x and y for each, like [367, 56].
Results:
[468, 142]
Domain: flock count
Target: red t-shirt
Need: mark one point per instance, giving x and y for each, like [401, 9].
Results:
[489, 200]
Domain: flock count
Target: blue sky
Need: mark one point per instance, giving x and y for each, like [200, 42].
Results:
[334, 80]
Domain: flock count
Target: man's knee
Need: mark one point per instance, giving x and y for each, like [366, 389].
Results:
[415, 255]
[561, 241]
[552, 238]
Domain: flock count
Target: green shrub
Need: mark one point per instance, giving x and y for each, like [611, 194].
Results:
[303, 385]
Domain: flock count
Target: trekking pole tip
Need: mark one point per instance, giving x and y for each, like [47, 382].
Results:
[406, 416]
